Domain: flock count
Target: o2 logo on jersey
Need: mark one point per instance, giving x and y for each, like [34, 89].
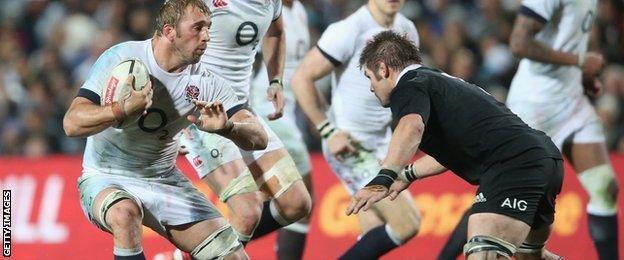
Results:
[588, 21]
[155, 119]
[247, 33]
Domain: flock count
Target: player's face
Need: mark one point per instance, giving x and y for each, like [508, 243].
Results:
[379, 86]
[389, 7]
[192, 35]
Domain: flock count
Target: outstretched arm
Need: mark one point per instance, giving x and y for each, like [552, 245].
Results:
[403, 145]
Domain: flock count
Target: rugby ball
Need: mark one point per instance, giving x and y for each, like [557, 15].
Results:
[115, 88]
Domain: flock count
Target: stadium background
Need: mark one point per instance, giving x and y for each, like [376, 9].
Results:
[47, 48]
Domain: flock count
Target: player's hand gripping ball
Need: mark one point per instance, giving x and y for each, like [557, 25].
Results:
[129, 91]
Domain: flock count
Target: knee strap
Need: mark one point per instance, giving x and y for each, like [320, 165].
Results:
[487, 243]
[219, 244]
[109, 200]
[598, 181]
[286, 173]
[527, 248]
[242, 184]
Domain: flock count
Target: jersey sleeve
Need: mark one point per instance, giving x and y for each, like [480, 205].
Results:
[277, 6]
[337, 43]
[412, 33]
[219, 89]
[541, 10]
[92, 88]
[410, 99]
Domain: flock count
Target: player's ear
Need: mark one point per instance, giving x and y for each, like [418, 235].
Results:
[169, 32]
[384, 71]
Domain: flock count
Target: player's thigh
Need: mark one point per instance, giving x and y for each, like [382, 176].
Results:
[584, 156]
[99, 193]
[506, 230]
[275, 173]
[401, 214]
[533, 245]
[222, 176]
[368, 220]
[187, 237]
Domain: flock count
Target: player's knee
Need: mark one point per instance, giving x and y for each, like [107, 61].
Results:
[222, 243]
[124, 214]
[601, 185]
[298, 206]
[406, 227]
[488, 245]
[247, 220]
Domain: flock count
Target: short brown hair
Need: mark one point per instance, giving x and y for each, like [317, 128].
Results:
[391, 48]
[172, 11]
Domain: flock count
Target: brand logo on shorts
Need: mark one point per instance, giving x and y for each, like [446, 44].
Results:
[219, 3]
[514, 204]
[192, 92]
[480, 198]
[197, 161]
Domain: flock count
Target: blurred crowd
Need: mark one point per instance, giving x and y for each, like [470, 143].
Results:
[47, 48]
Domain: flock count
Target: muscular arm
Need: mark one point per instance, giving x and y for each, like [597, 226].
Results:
[247, 132]
[522, 43]
[404, 143]
[313, 66]
[427, 166]
[84, 118]
[274, 49]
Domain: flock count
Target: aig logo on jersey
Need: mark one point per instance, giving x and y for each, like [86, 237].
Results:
[514, 203]
[219, 3]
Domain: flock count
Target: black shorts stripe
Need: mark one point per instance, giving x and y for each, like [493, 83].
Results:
[530, 13]
[235, 109]
[331, 59]
[90, 95]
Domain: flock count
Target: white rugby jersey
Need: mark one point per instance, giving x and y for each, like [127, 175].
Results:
[149, 146]
[238, 27]
[567, 27]
[354, 107]
[297, 44]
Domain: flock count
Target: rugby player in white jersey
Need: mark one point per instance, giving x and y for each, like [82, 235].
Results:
[291, 239]
[129, 175]
[552, 37]
[236, 175]
[356, 131]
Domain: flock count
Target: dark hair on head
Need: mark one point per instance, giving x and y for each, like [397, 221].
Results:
[391, 48]
[172, 11]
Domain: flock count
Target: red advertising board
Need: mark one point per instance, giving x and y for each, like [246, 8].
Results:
[47, 222]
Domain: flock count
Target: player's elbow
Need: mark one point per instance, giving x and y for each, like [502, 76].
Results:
[70, 128]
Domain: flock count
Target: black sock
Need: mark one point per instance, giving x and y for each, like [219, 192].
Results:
[139, 256]
[604, 232]
[290, 244]
[455, 244]
[372, 245]
[267, 223]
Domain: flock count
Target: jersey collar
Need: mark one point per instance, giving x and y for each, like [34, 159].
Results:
[408, 68]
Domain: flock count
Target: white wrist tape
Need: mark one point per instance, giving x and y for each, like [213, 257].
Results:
[408, 174]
